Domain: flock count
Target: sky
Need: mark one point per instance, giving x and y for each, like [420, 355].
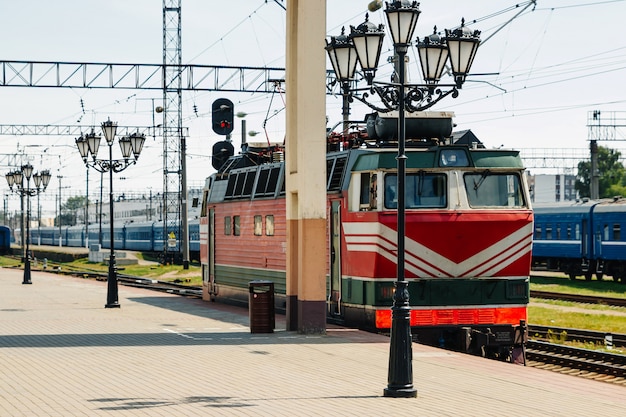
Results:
[536, 77]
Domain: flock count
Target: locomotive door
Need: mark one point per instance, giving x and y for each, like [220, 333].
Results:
[212, 286]
[334, 297]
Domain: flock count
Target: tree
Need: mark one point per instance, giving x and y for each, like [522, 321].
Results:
[612, 180]
[70, 210]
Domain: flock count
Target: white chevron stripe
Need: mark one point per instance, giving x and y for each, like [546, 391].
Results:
[422, 261]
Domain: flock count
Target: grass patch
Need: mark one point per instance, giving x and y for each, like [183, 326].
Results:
[169, 273]
[607, 288]
[9, 262]
[565, 317]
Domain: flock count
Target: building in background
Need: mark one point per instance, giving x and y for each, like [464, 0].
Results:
[552, 188]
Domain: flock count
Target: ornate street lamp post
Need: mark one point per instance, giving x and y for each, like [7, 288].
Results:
[459, 47]
[89, 144]
[16, 178]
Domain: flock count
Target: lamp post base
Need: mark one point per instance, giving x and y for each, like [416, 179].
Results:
[400, 378]
[400, 393]
[112, 298]
[26, 279]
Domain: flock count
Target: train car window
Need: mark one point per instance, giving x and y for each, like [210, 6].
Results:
[236, 225]
[548, 231]
[422, 190]
[577, 232]
[537, 232]
[492, 189]
[617, 235]
[558, 232]
[227, 226]
[606, 232]
[569, 232]
[269, 225]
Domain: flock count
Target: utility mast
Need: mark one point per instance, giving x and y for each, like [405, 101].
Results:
[175, 227]
[609, 128]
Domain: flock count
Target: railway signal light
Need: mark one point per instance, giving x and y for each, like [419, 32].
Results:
[223, 113]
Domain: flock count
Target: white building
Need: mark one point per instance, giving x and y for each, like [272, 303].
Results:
[552, 188]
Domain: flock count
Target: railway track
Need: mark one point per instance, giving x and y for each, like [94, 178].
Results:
[155, 285]
[550, 333]
[587, 299]
[586, 363]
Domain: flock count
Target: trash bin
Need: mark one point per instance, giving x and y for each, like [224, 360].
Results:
[261, 306]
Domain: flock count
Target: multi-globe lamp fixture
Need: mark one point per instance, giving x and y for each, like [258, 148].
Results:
[89, 145]
[15, 179]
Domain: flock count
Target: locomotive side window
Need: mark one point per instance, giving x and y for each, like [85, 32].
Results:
[236, 225]
[368, 191]
[258, 225]
[205, 199]
[422, 190]
[227, 226]
[269, 225]
[490, 189]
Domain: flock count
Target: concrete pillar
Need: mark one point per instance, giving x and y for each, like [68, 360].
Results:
[306, 166]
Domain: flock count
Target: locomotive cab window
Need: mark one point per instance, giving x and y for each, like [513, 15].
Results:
[453, 158]
[422, 190]
[494, 189]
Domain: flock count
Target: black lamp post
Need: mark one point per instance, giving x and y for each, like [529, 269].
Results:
[17, 178]
[460, 47]
[89, 144]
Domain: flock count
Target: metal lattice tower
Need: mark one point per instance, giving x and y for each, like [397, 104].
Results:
[608, 129]
[174, 187]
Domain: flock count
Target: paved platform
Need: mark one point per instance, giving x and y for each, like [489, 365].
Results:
[63, 354]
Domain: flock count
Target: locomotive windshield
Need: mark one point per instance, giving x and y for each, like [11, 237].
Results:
[423, 190]
[491, 189]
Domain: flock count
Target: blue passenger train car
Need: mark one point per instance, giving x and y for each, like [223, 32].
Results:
[5, 239]
[584, 238]
[137, 236]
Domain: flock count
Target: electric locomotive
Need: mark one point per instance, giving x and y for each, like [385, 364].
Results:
[467, 245]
